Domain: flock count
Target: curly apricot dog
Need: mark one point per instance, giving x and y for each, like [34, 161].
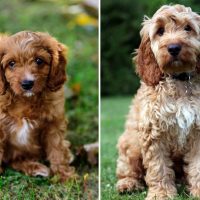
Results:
[163, 124]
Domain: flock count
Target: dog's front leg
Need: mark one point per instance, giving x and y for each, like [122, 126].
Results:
[159, 173]
[57, 150]
[192, 168]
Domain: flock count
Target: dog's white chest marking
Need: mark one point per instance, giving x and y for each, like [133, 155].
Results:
[24, 132]
[185, 117]
[179, 115]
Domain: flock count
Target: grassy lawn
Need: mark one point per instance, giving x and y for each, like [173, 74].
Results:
[81, 108]
[113, 112]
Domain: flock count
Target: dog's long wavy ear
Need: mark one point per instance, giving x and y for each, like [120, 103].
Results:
[57, 75]
[146, 65]
[198, 65]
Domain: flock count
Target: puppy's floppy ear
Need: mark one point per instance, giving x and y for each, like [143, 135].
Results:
[3, 84]
[146, 65]
[57, 74]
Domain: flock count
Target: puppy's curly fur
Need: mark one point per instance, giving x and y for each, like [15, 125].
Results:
[32, 119]
[162, 133]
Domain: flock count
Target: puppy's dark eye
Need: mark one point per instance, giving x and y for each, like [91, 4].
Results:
[160, 31]
[39, 61]
[11, 64]
[187, 28]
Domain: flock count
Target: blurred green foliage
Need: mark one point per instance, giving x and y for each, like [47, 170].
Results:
[120, 27]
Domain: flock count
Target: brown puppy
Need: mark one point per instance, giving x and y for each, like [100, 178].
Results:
[32, 121]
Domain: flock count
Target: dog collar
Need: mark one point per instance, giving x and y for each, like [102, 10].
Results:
[185, 76]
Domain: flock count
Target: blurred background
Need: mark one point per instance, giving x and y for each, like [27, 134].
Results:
[120, 25]
[75, 24]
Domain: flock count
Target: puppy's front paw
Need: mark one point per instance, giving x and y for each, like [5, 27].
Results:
[41, 171]
[64, 172]
[37, 169]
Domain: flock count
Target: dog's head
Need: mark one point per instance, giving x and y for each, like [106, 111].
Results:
[170, 43]
[31, 63]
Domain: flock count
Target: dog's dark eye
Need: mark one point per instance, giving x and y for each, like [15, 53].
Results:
[188, 28]
[11, 64]
[39, 61]
[160, 31]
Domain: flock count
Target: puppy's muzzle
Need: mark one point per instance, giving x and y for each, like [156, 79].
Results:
[174, 49]
[27, 84]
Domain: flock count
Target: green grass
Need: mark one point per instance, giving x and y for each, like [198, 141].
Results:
[81, 109]
[17, 186]
[113, 112]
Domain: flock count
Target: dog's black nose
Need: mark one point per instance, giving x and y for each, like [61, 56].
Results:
[27, 84]
[174, 49]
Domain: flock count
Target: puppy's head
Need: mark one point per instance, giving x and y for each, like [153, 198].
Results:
[170, 43]
[31, 63]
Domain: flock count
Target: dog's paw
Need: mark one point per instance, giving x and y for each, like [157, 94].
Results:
[128, 184]
[195, 191]
[154, 196]
[159, 193]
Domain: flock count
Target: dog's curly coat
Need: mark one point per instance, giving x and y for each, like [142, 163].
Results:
[32, 120]
[162, 133]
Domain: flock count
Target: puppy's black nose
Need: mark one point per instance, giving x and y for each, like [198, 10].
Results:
[174, 49]
[27, 84]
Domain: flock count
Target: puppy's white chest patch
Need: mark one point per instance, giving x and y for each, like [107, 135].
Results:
[23, 132]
